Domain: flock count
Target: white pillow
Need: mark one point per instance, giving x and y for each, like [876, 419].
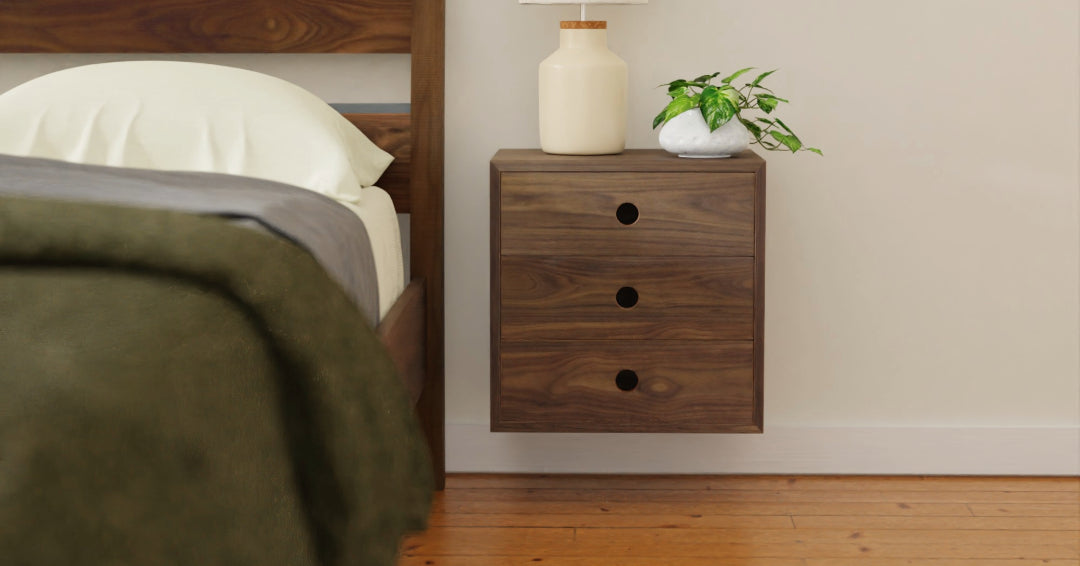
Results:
[190, 117]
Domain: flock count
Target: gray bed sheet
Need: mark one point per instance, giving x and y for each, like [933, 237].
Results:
[333, 234]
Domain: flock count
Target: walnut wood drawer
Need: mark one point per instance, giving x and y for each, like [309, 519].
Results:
[584, 298]
[626, 386]
[689, 214]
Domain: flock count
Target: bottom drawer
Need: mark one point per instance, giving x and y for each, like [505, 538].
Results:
[625, 386]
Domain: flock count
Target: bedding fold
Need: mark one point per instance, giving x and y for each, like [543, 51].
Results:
[332, 233]
[178, 390]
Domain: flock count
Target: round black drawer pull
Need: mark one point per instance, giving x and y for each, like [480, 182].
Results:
[626, 380]
[627, 213]
[627, 297]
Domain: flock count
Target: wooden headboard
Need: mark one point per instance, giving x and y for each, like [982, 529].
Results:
[416, 27]
[206, 26]
[251, 26]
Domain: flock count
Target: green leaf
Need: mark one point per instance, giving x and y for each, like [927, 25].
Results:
[783, 125]
[768, 145]
[659, 119]
[683, 83]
[791, 142]
[673, 109]
[762, 77]
[766, 121]
[767, 103]
[773, 97]
[732, 94]
[754, 128]
[705, 78]
[736, 74]
[716, 108]
[676, 88]
[815, 150]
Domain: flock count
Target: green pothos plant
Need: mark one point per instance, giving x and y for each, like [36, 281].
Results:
[721, 103]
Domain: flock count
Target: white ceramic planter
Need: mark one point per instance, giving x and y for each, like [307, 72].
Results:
[687, 135]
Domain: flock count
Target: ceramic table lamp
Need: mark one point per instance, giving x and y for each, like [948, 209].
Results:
[583, 88]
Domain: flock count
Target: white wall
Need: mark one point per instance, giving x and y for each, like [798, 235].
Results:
[922, 278]
[923, 297]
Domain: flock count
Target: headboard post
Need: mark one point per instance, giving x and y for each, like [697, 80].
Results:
[426, 238]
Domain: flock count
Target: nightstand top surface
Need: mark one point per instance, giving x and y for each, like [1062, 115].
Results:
[651, 160]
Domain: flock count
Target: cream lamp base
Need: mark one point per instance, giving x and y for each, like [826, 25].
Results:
[583, 93]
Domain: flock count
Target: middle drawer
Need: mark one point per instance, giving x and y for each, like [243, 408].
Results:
[587, 298]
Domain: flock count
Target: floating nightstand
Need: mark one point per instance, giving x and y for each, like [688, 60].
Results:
[627, 292]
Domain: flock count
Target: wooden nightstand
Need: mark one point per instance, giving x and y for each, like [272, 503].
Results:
[627, 292]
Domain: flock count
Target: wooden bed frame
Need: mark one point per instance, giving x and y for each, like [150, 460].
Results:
[413, 329]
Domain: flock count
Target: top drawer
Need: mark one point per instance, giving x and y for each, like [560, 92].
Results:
[689, 214]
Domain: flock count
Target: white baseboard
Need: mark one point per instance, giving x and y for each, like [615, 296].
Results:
[1042, 451]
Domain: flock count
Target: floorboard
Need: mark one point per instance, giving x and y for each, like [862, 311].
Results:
[503, 520]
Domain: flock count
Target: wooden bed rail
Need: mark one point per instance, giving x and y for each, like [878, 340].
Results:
[402, 332]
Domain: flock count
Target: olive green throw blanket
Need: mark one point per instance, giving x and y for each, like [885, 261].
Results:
[178, 390]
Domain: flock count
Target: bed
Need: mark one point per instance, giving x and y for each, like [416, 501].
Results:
[295, 300]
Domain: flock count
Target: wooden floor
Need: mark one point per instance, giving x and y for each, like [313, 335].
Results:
[750, 521]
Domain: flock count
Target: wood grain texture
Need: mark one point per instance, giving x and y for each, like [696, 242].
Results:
[402, 333]
[702, 521]
[426, 226]
[673, 544]
[941, 562]
[973, 497]
[705, 508]
[661, 520]
[612, 521]
[693, 251]
[686, 214]
[495, 373]
[531, 560]
[759, 295]
[391, 132]
[574, 298]
[828, 543]
[1024, 509]
[1071, 524]
[631, 160]
[569, 386]
[205, 26]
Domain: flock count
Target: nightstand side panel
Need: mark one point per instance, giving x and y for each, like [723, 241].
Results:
[495, 290]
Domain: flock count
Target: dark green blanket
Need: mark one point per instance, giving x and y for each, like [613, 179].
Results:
[178, 390]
